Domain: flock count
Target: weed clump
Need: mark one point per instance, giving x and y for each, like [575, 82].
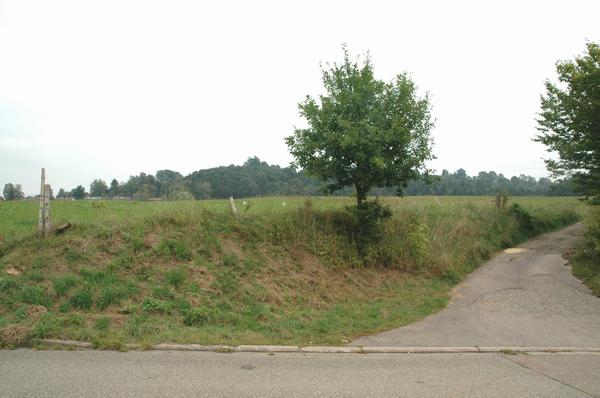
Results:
[102, 323]
[197, 316]
[173, 249]
[82, 299]
[63, 283]
[112, 295]
[175, 277]
[36, 295]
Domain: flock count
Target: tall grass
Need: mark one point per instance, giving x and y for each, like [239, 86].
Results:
[190, 272]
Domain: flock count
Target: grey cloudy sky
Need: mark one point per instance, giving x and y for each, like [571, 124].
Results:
[106, 89]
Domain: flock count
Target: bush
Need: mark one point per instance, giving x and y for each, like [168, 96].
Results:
[523, 217]
[363, 223]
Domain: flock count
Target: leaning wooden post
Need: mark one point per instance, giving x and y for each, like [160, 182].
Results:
[44, 223]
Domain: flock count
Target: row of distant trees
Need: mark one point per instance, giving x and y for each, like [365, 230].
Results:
[257, 178]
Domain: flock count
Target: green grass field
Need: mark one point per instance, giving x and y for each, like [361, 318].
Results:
[282, 272]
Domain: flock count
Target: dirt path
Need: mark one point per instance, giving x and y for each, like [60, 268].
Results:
[525, 296]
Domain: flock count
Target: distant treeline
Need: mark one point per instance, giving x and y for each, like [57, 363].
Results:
[257, 178]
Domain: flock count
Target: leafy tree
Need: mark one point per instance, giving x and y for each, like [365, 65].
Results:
[167, 180]
[61, 194]
[570, 121]
[203, 190]
[364, 132]
[13, 191]
[78, 192]
[114, 188]
[98, 188]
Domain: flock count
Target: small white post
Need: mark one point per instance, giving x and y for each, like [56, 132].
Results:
[232, 207]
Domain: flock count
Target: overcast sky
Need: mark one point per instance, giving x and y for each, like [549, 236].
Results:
[107, 89]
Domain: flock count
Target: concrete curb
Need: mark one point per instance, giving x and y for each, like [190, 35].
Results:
[322, 349]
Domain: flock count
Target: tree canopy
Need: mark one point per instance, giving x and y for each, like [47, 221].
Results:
[569, 122]
[13, 191]
[363, 132]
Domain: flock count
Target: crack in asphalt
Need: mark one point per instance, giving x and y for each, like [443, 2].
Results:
[504, 357]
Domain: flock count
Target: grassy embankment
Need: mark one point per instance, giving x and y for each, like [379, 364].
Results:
[586, 257]
[189, 272]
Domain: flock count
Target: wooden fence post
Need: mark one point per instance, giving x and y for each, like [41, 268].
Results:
[44, 223]
[232, 207]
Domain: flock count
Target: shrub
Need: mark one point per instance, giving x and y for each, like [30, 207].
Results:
[363, 223]
[523, 217]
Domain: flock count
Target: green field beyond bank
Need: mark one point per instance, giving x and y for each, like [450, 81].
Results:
[284, 271]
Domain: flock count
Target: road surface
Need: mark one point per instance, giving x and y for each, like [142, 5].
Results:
[525, 296]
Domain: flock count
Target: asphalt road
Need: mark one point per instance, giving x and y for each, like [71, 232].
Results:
[525, 296]
[27, 373]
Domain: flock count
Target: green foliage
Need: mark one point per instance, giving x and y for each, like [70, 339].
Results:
[46, 326]
[175, 276]
[63, 283]
[525, 220]
[364, 132]
[569, 122]
[180, 195]
[13, 192]
[102, 323]
[98, 188]
[586, 261]
[78, 192]
[156, 306]
[174, 249]
[36, 295]
[363, 223]
[82, 299]
[112, 295]
[276, 274]
[7, 284]
[197, 316]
